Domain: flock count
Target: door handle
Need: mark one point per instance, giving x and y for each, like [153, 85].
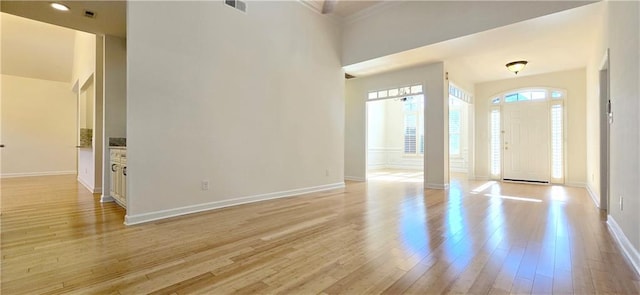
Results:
[1, 145]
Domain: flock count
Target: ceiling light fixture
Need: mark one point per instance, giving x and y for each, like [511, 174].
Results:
[59, 6]
[516, 66]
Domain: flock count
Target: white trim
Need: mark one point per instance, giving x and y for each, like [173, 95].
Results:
[86, 185]
[436, 186]
[369, 11]
[586, 186]
[574, 184]
[483, 178]
[106, 199]
[163, 214]
[627, 248]
[385, 149]
[333, 17]
[94, 190]
[604, 63]
[354, 178]
[593, 195]
[32, 174]
[404, 167]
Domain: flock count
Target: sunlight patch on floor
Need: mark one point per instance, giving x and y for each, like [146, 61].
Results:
[514, 198]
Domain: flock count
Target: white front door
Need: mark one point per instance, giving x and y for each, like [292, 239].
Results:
[526, 141]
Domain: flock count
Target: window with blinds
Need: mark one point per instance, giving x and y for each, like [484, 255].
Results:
[495, 143]
[414, 125]
[454, 132]
[556, 142]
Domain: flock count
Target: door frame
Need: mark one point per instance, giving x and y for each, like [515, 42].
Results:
[605, 132]
[563, 101]
[366, 119]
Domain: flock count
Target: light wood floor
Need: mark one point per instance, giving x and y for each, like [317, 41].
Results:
[376, 237]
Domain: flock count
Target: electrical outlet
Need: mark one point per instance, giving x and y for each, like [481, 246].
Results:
[205, 185]
[621, 203]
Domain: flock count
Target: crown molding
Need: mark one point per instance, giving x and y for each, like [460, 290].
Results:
[369, 11]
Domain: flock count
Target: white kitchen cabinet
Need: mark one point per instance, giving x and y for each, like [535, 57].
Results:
[119, 175]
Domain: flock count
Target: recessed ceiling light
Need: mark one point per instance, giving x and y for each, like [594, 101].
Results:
[59, 6]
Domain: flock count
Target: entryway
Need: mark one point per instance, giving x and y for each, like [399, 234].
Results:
[527, 136]
[395, 133]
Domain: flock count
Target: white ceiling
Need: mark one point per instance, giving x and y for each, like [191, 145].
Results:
[555, 42]
[551, 43]
[110, 16]
[343, 8]
[36, 50]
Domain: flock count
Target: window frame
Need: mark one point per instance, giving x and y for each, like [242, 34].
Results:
[419, 118]
[405, 91]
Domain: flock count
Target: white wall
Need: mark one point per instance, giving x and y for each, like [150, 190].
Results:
[593, 107]
[87, 63]
[38, 127]
[412, 24]
[624, 45]
[574, 82]
[204, 104]
[436, 105]
[84, 57]
[115, 101]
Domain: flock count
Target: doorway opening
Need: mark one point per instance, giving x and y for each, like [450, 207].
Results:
[527, 136]
[395, 134]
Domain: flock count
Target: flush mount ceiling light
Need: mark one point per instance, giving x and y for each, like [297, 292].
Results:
[59, 6]
[516, 66]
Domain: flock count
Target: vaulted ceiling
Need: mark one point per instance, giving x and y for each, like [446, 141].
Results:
[555, 42]
[36, 50]
[550, 43]
[343, 8]
[110, 16]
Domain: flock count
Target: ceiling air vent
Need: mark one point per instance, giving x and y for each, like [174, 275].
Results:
[89, 14]
[237, 4]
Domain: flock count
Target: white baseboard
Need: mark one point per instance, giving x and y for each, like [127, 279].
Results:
[354, 178]
[32, 174]
[162, 214]
[106, 199]
[593, 195]
[481, 178]
[85, 184]
[93, 190]
[576, 184]
[436, 185]
[404, 167]
[629, 251]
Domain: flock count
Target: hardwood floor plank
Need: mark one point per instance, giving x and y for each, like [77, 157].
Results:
[373, 237]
